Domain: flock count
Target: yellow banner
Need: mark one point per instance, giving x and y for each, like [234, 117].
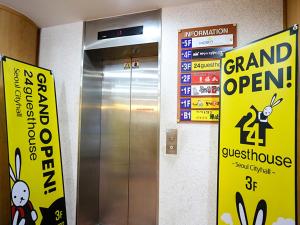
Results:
[205, 115]
[257, 142]
[205, 103]
[205, 65]
[37, 194]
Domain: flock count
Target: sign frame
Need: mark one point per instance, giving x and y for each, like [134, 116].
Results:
[232, 29]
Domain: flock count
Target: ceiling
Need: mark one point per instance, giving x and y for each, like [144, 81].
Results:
[53, 12]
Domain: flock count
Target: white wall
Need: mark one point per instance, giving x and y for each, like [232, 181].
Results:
[188, 181]
[60, 51]
[187, 194]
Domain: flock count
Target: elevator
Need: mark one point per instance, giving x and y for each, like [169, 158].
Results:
[119, 134]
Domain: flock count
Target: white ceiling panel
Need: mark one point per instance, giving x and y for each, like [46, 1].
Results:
[54, 12]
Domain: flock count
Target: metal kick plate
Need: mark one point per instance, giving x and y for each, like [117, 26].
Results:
[171, 142]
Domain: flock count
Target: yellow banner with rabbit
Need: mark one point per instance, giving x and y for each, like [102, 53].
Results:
[257, 140]
[37, 193]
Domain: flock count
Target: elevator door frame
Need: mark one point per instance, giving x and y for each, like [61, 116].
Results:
[90, 72]
[89, 136]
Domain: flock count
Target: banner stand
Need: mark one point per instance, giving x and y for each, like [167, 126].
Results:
[31, 175]
[4, 167]
[258, 132]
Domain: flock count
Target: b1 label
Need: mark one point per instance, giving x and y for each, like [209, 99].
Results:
[185, 115]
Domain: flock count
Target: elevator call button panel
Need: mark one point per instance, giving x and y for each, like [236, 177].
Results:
[171, 142]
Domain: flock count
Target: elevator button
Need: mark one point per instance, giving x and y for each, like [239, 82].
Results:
[171, 142]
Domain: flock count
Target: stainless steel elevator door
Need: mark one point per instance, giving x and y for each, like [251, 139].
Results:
[129, 143]
[114, 150]
[144, 143]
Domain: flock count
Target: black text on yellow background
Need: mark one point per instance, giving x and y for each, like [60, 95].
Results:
[36, 180]
[257, 139]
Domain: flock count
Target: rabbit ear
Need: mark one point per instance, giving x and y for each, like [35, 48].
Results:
[240, 206]
[277, 102]
[11, 173]
[260, 213]
[18, 163]
[273, 99]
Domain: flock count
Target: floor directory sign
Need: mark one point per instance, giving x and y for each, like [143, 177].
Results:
[199, 53]
[257, 177]
[35, 170]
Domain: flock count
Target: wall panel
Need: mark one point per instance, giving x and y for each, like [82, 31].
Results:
[188, 180]
[18, 39]
[61, 51]
[18, 36]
